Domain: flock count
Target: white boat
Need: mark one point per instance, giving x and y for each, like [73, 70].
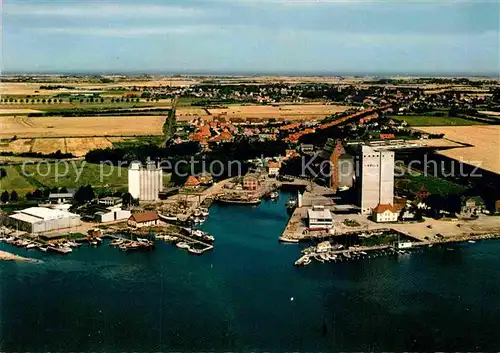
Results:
[168, 218]
[197, 212]
[195, 251]
[30, 246]
[472, 241]
[182, 245]
[273, 195]
[43, 248]
[142, 240]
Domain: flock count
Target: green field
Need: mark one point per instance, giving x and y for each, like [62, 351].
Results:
[436, 186]
[54, 175]
[15, 181]
[425, 120]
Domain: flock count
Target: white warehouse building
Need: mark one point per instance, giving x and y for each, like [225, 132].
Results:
[145, 183]
[41, 219]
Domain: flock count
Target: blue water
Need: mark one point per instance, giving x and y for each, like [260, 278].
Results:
[238, 297]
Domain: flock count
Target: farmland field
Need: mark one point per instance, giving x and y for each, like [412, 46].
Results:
[484, 138]
[80, 126]
[15, 181]
[424, 120]
[286, 112]
[46, 174]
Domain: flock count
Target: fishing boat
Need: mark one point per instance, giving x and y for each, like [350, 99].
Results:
[182, 245]
[239, 201]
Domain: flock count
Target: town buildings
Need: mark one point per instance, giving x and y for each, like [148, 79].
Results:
[273, 168]
[41, 219]
[377, 178]
[145, 183]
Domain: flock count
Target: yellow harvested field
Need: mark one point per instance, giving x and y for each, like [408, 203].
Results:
[17, 146]
[49, 145]
[80, 126]
[18, 111]
[484, 138]
[437, 143]
[286, 112]
[80, 146]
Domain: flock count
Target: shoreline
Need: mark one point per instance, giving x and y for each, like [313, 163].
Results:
[7, 256]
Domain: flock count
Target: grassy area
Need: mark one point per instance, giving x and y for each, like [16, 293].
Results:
[436, 186]
[139, 141]
[424, 120]
[50, 175]
[15, 181]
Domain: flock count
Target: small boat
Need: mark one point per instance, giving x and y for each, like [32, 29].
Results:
[93, 242]
[197, 212]
[182, 245]
[98, 239]
[30, 246]
[325, 257]
[116, 242]
[168, 217]
[291, 204]
[195, 251]
[472, 241]
[43, 248]
[274, 195]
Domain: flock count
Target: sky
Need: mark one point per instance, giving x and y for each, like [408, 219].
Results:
[253, 36]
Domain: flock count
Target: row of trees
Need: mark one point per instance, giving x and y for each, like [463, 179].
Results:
[6, 197]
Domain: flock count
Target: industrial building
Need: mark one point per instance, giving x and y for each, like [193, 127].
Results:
[41, 219]
[341, 165]
[377, 178]
[112, 213]
[145, 183]
[319, 218]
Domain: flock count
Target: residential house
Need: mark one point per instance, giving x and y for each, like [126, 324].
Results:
[192, 183]
[143, 219]
[273, 168]
[385, 213]
[250, 182]
[471, 206]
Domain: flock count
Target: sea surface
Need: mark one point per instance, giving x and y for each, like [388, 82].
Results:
[246, 295]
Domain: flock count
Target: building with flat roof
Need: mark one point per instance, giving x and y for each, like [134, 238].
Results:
[319, 217]
[377, 178]
[145, 183]
[41, 219]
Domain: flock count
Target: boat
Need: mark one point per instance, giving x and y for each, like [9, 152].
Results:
[30, 246]
[116, 242]
[93, 242]
[197, 212]
[274, 195]
[194, 251]
[204, 211]
[318, 258]
[168, 218]
[42, 248]
[182, 245]
[98, 239]
[303, 260]
[291, 203]
[472, 241]
[239, 201]
[325, 257]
